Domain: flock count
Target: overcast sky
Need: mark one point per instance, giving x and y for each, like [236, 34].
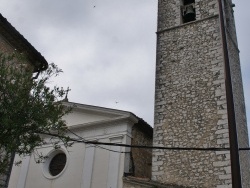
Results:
[106, 48]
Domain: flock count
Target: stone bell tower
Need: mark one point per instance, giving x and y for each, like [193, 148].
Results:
[199, 100]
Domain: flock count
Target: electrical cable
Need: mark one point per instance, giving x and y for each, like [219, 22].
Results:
[147, 147]
[95, 144]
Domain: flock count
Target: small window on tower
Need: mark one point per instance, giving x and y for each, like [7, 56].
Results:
[188, 11]
[187, 2]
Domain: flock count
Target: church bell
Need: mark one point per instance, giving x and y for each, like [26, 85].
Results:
[189, 13]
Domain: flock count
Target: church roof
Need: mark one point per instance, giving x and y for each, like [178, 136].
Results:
[113, 115]
[22, 45]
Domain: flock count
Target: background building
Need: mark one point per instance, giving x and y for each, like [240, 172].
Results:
[12, 41]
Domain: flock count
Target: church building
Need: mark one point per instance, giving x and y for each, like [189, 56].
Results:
[199, 111]
[89, 165]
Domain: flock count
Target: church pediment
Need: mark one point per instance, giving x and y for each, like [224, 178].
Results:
[88, 115]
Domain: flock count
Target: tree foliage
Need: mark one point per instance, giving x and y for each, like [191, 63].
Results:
[28, 107]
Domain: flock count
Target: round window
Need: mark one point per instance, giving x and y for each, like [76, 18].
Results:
[57, 164]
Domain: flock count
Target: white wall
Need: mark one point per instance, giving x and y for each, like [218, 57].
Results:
[88, 166]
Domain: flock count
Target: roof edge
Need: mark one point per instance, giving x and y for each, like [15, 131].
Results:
[22, 45]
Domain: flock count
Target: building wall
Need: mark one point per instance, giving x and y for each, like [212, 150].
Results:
[10, 39]
[239, 102]
[135, 182]
[141, 158]
[169, 12]
[190, 97]
[133, 185]
[5, 47]
[88, 166]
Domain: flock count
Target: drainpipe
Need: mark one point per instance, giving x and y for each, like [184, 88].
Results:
[233, 137]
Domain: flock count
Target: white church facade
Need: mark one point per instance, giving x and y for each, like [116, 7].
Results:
[86, 165]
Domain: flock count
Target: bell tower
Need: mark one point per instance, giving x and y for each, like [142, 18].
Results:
[199, 100]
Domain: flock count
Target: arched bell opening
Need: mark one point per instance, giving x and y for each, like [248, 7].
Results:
[188, 11]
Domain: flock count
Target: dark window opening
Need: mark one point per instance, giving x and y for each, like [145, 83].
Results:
[57, 164]
[188, 11]
[186, 2]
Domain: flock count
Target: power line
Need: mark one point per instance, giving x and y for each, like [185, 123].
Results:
[95, 145]
[146, 147]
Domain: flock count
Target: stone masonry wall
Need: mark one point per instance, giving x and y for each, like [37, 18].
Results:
[132, 182]
[5, 47]
[142, 158]
[190, 106]
[190, 99]
[169, 12]
[240, 112]
[133, 185]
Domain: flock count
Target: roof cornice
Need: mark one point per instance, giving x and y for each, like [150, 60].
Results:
[101, 110]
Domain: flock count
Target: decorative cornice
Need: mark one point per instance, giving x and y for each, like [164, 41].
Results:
[104, 122]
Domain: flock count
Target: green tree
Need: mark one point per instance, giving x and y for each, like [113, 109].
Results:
[28, 108]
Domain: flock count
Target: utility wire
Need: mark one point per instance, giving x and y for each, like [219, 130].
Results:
[147, 147]
[96, 144]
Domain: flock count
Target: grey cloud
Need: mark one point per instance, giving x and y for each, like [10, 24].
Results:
[108, 51]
